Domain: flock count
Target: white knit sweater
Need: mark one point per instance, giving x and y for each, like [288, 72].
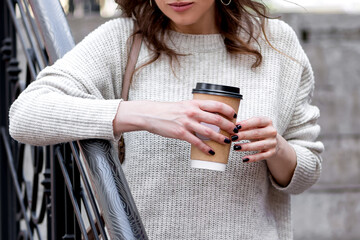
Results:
[78, 96]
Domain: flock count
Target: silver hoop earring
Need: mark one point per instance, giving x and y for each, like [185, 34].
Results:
[225, 4]
[151, 3]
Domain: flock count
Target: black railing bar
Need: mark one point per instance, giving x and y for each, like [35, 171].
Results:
[20, 162]
[40, 218]
[38, 231]
[76, 183]
[27, 193]
[88, 213]
[34, 191]
[27, 31]
[46, 182]
[15, 182]
[71, 195]
[38, 156]
[88, 189]
[21, 37]
[36, 34]
[21, 177]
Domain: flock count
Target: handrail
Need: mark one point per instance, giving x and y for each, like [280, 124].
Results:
[54, 28]
[118, 207]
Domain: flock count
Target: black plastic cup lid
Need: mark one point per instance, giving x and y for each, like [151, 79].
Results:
[214, 89]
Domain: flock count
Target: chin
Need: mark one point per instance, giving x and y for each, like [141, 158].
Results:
[183, 22]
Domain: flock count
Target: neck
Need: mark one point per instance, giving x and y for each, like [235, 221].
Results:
[196, 29]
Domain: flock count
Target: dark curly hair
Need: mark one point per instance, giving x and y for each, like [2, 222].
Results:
[248, 16]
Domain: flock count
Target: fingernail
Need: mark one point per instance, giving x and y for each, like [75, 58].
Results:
[235, 115]
[236, 130]
[246, 160]
[238, 126]
[227, 140]
[212, 152]
[237, 147]
[234, 138]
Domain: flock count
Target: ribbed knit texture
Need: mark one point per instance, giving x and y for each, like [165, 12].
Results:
[76, 99]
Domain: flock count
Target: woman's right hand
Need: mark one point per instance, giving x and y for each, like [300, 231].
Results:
[178, 120]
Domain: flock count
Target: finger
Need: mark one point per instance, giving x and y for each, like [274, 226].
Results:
[259, 156]
[263, 145]
[217, 107]
[258, 133]
[193, 140]
[217, 120]
[255, 122]
[207, 132]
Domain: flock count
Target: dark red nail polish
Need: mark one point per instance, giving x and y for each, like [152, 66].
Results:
[237, 147]
[212, 152]
[236, 130]
[246, 160]
[227, 140]
[234, 138]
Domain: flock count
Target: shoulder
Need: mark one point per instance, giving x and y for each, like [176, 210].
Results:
[279, 31]
[120, 28]
[278, 27]
[120, 24]
[283, 38]
[290, 55]
[109, 39]
[105, 46]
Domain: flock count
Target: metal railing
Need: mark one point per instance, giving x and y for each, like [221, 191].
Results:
[64, 193]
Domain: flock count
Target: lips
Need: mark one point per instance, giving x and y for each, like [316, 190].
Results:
[181, 6]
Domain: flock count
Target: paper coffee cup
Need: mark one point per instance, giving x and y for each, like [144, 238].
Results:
[225, 94]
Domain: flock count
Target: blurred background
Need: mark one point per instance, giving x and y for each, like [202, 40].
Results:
[329, 31]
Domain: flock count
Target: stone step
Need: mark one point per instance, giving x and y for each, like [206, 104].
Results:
[326, 216]
[341, 161]
[337, 89]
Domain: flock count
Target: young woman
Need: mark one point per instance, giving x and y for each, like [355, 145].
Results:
[227, 42]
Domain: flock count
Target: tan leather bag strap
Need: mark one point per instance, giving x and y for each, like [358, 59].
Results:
[130, 66]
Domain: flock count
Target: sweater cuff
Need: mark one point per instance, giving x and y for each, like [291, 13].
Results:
[116, 138]
[306, 173]
[107, 115]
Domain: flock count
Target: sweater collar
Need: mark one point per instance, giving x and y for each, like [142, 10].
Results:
[190, 43]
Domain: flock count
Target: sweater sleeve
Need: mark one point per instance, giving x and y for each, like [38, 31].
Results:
[76, 98]
[301, 134]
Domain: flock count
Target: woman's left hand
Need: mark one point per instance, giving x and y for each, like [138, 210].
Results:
[263, 138]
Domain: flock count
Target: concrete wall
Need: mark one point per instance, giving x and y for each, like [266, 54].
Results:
[331, 209]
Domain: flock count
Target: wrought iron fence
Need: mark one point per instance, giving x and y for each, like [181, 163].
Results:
[59, 196]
